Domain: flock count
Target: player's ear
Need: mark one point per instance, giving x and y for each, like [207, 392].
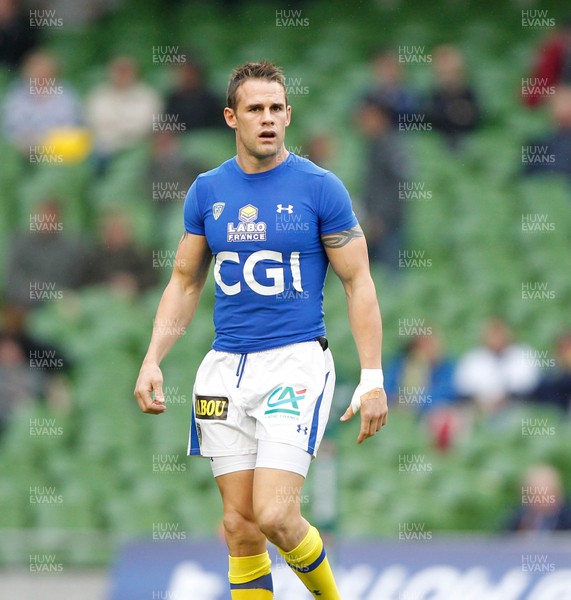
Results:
[288, 115]
[230, 117]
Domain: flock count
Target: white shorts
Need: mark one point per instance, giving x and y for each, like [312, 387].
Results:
[281, 395]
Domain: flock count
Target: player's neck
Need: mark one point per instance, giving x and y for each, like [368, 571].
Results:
[252, 164]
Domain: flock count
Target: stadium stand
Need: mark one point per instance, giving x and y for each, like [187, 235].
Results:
[100, 456]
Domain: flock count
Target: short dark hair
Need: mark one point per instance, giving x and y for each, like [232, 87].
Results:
[253, 70]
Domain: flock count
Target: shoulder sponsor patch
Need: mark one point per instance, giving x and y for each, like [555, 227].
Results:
[214, 408]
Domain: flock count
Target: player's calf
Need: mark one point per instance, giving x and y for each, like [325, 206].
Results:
[309, 562]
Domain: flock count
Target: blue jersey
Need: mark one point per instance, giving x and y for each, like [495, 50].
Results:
[264, 230]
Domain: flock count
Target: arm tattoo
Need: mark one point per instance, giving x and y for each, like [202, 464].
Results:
[342, 238]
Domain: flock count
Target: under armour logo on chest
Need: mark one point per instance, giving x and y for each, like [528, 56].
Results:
[280, 208]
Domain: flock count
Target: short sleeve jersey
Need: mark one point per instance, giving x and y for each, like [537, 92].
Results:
[264, 231]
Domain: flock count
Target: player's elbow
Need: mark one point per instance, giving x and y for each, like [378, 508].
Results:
[186, 282]
[359, 285]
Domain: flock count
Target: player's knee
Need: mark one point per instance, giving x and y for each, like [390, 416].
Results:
[238, 528]
[273, 521]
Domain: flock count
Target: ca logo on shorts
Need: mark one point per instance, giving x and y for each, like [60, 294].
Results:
[283, 397]
[214, 408]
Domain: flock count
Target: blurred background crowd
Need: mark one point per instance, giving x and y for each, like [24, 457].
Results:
[451, 128]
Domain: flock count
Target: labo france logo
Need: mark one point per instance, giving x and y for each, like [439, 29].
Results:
[274, 273]
[211, 407]
[247, 230]
[285, 396]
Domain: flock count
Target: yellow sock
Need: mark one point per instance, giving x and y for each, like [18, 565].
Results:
[250, 577]
[309, 562]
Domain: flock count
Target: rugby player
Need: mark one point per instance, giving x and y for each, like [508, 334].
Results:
[273, 222]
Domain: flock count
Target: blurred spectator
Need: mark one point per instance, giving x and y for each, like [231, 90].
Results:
[77, 13]
[556, 388]
[552, 154]
[117, 261]
[170, 173]
[45, 262]
[544, 505]
[421, 377]
[29, 369]
[47, 357]
[386, 170]
[497, 370]
[321, 149]
[389, 88]
[452, 105]
[38, 103]
[120, 111]
[18, 383]
[17, 38]
[191, 104]
[552, 66]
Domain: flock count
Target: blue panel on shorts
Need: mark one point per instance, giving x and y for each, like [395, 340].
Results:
[315, 421]
[194, 441]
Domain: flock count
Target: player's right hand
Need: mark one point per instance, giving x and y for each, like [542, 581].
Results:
[149, 389]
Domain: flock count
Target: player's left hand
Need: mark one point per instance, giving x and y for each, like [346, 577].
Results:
[374, 410]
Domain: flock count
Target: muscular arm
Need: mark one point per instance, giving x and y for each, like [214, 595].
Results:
[347, 253]
[175, 312]
[180, 298]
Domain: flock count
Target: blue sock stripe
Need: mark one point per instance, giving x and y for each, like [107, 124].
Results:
[261, 583]
[312, 566]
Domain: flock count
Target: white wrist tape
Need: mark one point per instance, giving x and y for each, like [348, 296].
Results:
[371, 379]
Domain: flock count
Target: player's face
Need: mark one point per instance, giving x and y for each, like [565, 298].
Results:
[260, 119]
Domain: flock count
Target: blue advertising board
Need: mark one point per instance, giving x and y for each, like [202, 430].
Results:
[518, 568]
